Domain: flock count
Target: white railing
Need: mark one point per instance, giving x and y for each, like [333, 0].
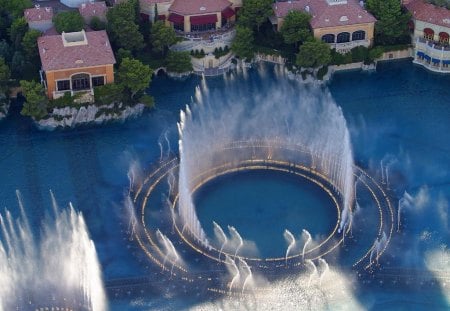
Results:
[347, 46]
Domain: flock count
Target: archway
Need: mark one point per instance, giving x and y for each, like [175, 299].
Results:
[328, 38]
[358, 35]
[428, 34]
[443, 37]
[80, 81]
[343, 37]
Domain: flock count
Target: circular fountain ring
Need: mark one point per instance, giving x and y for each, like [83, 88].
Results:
[146, 237]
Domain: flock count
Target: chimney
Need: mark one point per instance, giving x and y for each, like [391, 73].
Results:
[37, 6]
[83, 5]
[307, 8]
[47, 9]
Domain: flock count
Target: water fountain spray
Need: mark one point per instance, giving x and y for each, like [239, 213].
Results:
[234, 270]
[308, 240]
[289, 237]
[247, 272]
[221, 236]
[235, 234]
[324, 268]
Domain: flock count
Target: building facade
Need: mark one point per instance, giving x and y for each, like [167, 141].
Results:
[192, 15]
[344, 24]
[431, 26]
[39, 18]
[75, 62]
[91, 9]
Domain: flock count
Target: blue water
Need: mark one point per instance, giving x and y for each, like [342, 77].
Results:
[400, 114]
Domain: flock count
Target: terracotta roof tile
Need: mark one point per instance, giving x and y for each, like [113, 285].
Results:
[198, 7]
[37, 14]
[325, 15]
[429, 13]
[55, 56]
[91, 9]
[153, 1]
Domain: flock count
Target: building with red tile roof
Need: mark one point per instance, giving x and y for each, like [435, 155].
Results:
[76, 61]
[342, 23]
[91, 9]
[431, 26]
[192, 15]
[39, 18]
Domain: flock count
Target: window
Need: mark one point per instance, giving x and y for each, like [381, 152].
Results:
[179, 27]
[358, 35]
[428, 34]
[63, 85]
[343, 37]
[203, 27]
[328, 38]
[80, 82]
[98, 81]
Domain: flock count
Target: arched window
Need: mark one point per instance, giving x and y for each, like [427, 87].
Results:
[343, 37]
[428, 34]
[443, 37]
[328, 38]
[81, 82]
[358, 35]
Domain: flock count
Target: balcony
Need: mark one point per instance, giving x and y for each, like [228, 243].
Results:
[432, 55]
[345, 47]
[208, 40]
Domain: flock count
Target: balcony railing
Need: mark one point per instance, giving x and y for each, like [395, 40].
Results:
[85, 96]
[347, 46]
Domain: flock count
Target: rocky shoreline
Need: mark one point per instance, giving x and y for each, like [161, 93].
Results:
[70, 117]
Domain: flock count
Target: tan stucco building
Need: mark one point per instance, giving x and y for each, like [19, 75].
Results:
[192, 15]
[75, 62]
[344, 24]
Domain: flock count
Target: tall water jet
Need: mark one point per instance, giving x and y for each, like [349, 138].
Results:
[247, 272]
[236, 236]
[134, 175]
[169, 250]
[233, 269]
[290, 239]
[131, 214]
[312, 268]
[308, 240]
[324, 268]
[308, 120]
[221, 236]
[62, 267]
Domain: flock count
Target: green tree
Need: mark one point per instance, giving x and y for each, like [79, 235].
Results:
[29, 44]
[36, 101]
[5, 75]
[162, 37]
[254, 13]
[17, 30]
[16, 7]
[17, 64]
[242, 44]
[295, 27]
[134, 75]
[122, 53]
[97, 24]
[122, 28]
[156, 17]
[5, 50]
[179, 62]
[314, 54]
[392, 24]
[69, 21]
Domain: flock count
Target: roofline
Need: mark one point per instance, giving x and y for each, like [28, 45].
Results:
[78, 68]
[343, 25]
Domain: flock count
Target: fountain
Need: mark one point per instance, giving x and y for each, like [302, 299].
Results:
[60, 269]
[131, 215]
[320, 131]
[221, 236]
[324, 268]
[234, 271]
[289, 237]
[170, 251]
[306, 234]
[236, 237]
[247, 271]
